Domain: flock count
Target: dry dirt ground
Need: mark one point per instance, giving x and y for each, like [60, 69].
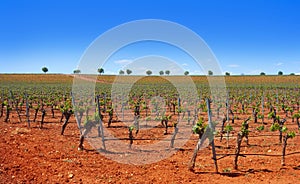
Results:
[33, 155]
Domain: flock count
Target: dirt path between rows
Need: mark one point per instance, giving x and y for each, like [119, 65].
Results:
[33, 155]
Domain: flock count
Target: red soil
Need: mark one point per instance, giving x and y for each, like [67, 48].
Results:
[44, 156]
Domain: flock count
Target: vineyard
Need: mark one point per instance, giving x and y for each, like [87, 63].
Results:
[248, 131]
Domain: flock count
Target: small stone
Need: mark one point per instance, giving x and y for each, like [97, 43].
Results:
[70, 175]
[269, 151]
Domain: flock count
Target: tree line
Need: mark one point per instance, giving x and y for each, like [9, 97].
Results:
[149, 72]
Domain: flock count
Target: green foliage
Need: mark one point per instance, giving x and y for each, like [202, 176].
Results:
[121, 72]
[199, 127]
[227, 170]
[100, 71]
[179, 110]
[260, 116]
[53, 93]
[148, 72]
[284, 129]
[291, 134]
[131, 128]
[296, 115]
[5, 103]
[228, 128]
[77, 71]
[148, 118]
[86, 122]
[275, 127]
[157, 118]
[96, 117]
[262, 73]
[45, 69]
[80, 109]
[203, 107]
[260, 128]
[110, 111]
[128, 71]
[244, 130]
[66, 106]
[164, 117]
[271, 114]
[37, 106]
[256, 109]
[144, 105]
[289, 109]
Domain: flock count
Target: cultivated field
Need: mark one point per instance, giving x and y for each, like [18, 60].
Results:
[35, 147]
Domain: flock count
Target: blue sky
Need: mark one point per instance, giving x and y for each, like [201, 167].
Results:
[246, 36]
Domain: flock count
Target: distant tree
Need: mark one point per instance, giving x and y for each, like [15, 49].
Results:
[100, 71]
[262, 73]
[227, 73]
[186, 73]
[167, 72]
[121, 72]
[292, 73]
[77, 71]
[128, 72]
[280, 73]
[161, 72]
[210, 72]
[148, 72]
[45, 69]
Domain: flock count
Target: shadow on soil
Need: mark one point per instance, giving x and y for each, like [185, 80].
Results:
[228, 174]
[297, 167]
[256, 171]
[238, 173]
[98, 151]
[117, 126]
[232, 174]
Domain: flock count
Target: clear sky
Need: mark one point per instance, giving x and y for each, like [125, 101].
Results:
[246, 36]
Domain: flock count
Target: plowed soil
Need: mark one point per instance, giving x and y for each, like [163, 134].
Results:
[34, 155]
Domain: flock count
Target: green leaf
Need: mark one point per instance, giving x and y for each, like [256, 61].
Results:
[260, 116]
[228, 128]
[271, 115]
[5, 103]
[260, 128]
[130, 128]
[284, 129]
[291, 134]
[297, 115]
[275, 127]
